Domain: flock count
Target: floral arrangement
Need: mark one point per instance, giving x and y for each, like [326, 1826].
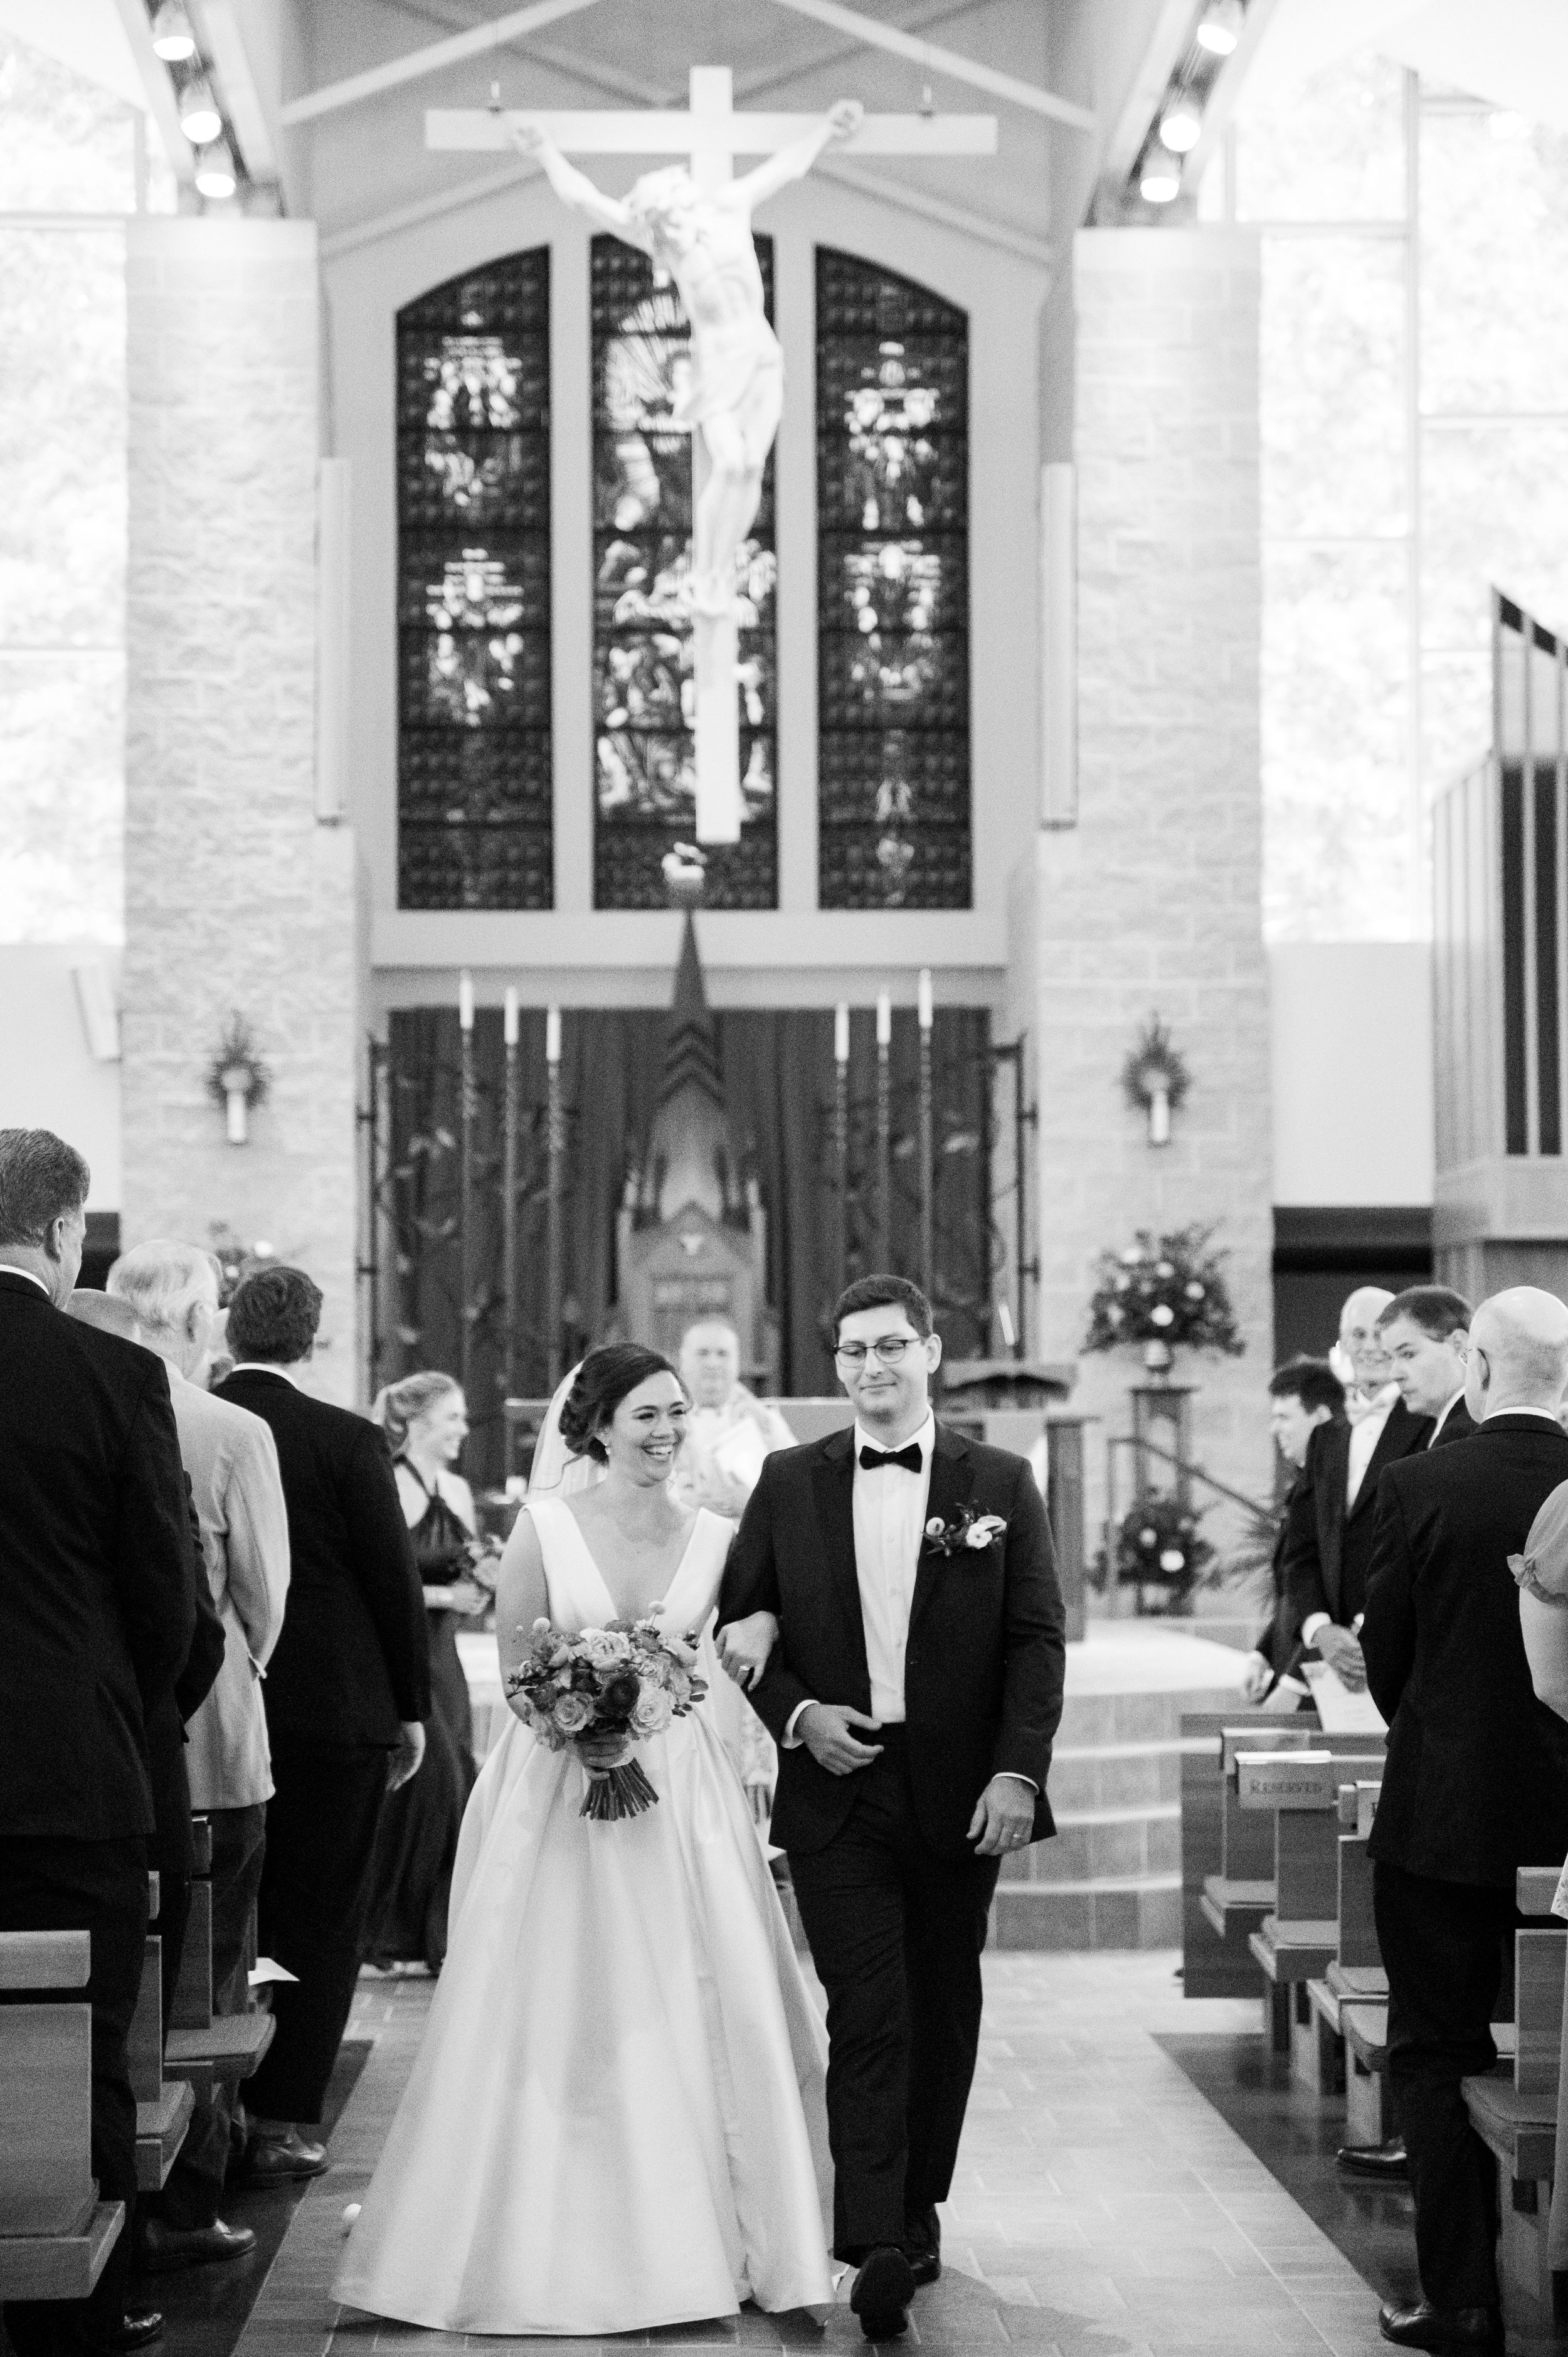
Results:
[1164, 1292]
[967, 1529]
[603, 1691]
[1158, 1545]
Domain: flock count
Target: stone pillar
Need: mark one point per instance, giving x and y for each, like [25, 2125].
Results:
[1151, 900]
[236, 898]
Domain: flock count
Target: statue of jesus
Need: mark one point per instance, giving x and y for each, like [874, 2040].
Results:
[702, 239]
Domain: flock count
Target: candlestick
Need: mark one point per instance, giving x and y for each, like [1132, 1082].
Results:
[511, 1123]
[840, 1033]
[884, 1129]
[926, 1155]
[467, 1112]
[555, 1239]
[552, 1035]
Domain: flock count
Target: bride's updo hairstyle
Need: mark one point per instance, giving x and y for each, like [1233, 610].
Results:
[604, 1379]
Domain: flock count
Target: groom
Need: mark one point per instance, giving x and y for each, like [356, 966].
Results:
[914, 1692]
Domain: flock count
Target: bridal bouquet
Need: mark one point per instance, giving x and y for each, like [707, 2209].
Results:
[603, 1691]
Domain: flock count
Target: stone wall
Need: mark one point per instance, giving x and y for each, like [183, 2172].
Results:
[1151, 900]
[236, 898]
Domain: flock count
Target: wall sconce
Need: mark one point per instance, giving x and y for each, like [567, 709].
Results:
[237, 1079]
[1155, 1079]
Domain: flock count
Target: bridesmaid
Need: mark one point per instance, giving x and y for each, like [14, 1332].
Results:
[425, 1421]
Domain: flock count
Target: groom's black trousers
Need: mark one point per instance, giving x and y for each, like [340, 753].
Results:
[895, 1933]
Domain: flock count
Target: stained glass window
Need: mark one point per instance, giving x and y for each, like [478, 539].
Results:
[474, 770]
[644, 786]
[893, 759]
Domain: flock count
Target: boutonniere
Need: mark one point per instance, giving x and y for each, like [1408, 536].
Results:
[967, 1529]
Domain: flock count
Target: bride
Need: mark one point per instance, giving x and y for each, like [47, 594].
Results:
[615, 2120]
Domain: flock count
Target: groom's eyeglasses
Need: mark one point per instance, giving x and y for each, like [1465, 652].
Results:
[890, 1350]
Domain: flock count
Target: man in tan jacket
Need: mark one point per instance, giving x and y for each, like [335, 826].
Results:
[232, 1459]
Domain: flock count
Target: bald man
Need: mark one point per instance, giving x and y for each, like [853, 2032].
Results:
[1328, 1548]
[1476, 1786]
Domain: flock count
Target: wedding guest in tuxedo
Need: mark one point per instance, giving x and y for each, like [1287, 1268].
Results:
[1303, 1394]
[231, 1460]
[1475, 1785]
[97, 1610]
[1425, 1331]
[425, 1420]
[915, 1691]
[1329, 1548]
[346, 1694]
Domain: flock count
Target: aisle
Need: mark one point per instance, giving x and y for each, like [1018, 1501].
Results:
[1101, 2209]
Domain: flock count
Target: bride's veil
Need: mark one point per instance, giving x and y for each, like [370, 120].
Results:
[556, 1473]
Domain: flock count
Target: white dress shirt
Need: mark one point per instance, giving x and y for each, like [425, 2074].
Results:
[1365, 1436]
[1443, 1414]
[890, 1510]
[9, 1268]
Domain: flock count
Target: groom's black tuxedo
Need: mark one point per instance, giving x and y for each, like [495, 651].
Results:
[893, 1900]
[986, 1655]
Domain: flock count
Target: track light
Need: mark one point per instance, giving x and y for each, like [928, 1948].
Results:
[215, 170]
[1181, 126]
[198, 116]
[173, 39]
[1220, 28]
[1159, 182]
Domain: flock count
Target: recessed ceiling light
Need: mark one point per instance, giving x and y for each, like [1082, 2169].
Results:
[1181, 126]
[1220, 28]
[198, 116]
[1159, 182]
[173, 39]
[215, 170]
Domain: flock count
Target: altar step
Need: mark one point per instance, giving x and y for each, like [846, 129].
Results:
[1112, 1879]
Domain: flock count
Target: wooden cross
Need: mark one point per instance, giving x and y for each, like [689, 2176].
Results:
[709, 136]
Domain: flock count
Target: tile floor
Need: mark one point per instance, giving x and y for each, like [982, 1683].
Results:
[1101, 2207]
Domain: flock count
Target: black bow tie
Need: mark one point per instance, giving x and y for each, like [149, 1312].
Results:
[873, 1459]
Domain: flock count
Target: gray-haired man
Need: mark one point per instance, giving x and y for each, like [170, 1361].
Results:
[232, 1463]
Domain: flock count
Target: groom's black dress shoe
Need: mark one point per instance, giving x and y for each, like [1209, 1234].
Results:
[882, 2292]
[1446, 2329]
[923, 2244]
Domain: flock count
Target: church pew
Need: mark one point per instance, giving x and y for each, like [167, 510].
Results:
[1220, 1906]
[1322, 2062]
[203, 2046]
[1514, 2110]
[1299, 1937]
[163, 2106]
[55, 2234]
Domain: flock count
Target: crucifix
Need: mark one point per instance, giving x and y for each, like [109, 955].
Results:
[693, 219]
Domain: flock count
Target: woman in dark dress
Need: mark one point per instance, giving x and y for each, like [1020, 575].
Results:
[425, 1420]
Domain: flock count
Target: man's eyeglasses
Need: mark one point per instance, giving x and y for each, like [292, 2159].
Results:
[890, 1350]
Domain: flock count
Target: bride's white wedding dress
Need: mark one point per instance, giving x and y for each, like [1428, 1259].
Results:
[615, 2120]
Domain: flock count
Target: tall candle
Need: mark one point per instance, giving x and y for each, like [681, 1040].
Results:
[925, 998]
[840, 1033]
[552, 1036]
[508, 1020]
[884, 1019]
[466, 999]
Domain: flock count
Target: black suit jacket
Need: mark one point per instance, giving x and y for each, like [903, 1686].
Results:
[1457, 1425]
[1476, 1781]
[1329, 1552]
[354, 1657]
[986, 1655]
[97, 1570]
